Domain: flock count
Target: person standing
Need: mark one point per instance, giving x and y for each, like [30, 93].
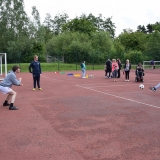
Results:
[115, 68]
[127, 68]
[152, 64]
[119, 70]
[108, 68]
[35, 69]
[6, 84]
[83, 68]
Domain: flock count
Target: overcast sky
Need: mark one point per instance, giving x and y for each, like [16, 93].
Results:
[124, 13]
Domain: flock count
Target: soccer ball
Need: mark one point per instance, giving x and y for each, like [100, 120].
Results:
[141, 86]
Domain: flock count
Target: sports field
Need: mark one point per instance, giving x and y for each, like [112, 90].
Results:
[82, 119]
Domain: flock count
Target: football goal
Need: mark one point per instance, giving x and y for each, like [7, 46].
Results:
[147, 64]
[3, 67]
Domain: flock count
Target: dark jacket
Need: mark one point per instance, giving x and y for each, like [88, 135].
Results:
[108, 64]
[36, 68]
[119, 64]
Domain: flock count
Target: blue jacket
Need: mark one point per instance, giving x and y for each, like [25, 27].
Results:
[10, 80]
[36, 68]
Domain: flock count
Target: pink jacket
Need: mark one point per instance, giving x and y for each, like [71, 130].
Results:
[115, 66]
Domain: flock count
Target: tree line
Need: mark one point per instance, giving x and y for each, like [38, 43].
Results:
[86, 37]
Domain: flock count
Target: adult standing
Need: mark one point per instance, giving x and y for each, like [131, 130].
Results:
[35, 69]
[6, 84]
[108, 68]
[83, 68]
[119, 70]
[115, 68]
[127, 68]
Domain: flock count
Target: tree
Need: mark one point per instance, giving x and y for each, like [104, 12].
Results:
[79, 25]
[119, 50]
[141, 29]
[134, 57]
[13, 27]
[153, 46]
[133, 41]
[58, 22]
[102, 23]
[149, 28]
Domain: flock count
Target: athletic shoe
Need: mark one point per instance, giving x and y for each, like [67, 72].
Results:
[33, 89]
[128, 80]
[152, 88]
[83, 77]
[6, 104]
[40, 88]
[13, 108]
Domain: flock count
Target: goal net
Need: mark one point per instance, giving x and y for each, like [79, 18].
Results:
[3, 67]
[148, 65]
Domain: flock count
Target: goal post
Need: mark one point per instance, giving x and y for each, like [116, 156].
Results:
[3, 55]
[147, 64]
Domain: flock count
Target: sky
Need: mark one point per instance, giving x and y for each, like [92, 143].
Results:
[125, 13]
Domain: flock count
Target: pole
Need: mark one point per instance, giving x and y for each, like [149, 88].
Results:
[76, 61]
[58, 61]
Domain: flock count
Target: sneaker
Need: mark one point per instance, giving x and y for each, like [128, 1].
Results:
[152, 88]
[128, 80]
[83, 77]
[13, 108]
[6, 104]
[33, 89]
[40, 88]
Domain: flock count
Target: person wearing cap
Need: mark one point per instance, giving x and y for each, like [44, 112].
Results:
[6, 84]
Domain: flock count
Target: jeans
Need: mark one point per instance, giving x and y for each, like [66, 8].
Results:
[115, 73]
[83, 73]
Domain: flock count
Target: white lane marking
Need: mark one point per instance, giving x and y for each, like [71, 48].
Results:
[118, 97]
[106, 85]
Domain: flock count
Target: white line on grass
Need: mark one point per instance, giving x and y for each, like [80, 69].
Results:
[118, 97]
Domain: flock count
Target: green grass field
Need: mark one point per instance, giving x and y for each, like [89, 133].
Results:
[52, 67]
